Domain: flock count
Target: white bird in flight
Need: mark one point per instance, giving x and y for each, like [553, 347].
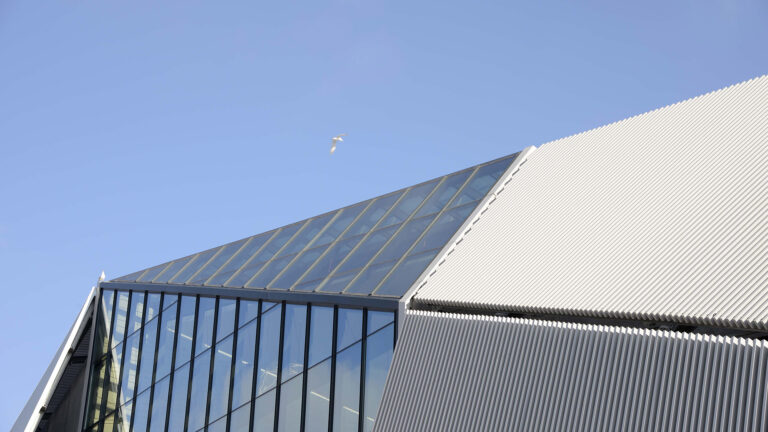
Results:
[336, 140]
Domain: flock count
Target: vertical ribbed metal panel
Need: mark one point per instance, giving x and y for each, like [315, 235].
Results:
[663, 216]
[466, 372]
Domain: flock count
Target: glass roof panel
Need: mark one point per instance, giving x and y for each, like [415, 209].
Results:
[376, 247]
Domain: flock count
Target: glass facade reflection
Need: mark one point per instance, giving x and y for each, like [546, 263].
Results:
[171, 362]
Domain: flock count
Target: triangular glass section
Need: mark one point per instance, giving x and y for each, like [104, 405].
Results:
[377, 247]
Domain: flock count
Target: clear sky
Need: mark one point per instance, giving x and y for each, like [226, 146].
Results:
[132, 133]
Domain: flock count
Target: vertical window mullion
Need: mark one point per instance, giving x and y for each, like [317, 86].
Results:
[191, 362]
[364, 342]
[304, 371]
[214, 344]
[233, 364]
[173, 363]
[334, 339]
[154, 362]
[279, 364]
[255, 364]
[138, 358]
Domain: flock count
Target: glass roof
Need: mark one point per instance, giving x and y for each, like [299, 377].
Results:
[377, 247]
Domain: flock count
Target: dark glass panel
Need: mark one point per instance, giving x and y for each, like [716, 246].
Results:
[113, 371]
[246, 344]
[298, 267]
[305, 236]
[141, 412]
[186, 328]
[404, 239]
[172, 269]
[104, 323]
[198, 395]
[226, 319]
[378, 357]
[401, 279]
[330, 260]
[320, 334]
[409, 203]
[123, 418]
[270, 271]
[128, 384]
[444, 228]
[96, 391]
[240, 418]
[152, 273]
[376, 211]
[378, 319]
[217, 261]
[159, 404]
[290, 405]
[339, 224]
[350, 327]
[147, 356]
[235, 263]
[481, 182]
[369, 278]
[222, 366]
[264, 412]
[179, 399]
[347, 390]
[136, 312]
[444, 193]
[271, 248]
[269, 344]
[194, 265]
[205, 314]
[165, 345]
[337, 282]
[248, 311]
[293, 341]
[318, 397]
[118, 324]
[153, 306]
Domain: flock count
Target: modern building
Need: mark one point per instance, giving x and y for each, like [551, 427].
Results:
[612, 280]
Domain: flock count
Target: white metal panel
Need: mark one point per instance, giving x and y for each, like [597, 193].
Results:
[663, 216]
[478, 373]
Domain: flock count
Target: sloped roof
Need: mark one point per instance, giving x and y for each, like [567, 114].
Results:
[374, 248]
[663, 216]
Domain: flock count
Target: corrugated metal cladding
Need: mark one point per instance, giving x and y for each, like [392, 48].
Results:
[663, 216]
[465, 373]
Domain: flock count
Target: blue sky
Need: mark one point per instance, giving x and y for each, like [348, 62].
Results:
[132, 133]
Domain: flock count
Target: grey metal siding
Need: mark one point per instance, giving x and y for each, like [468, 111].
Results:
[463, 372]
[663, 216]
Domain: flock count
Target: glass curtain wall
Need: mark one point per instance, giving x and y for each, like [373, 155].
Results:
[170, 362]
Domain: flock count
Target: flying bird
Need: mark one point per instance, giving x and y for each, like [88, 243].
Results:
[336, 140]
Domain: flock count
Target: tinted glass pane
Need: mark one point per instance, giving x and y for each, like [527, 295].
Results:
[339, 224]
[378, 319]
[370, 278]
[222, 365]
[153, 306]
[235, 263]
[113, 376]
[159, 404]
[172, 269]
[330, 260]
[269, 250]
[218, 426]
[264, 412]
[337, 283]
[147, 356]
[213, 265]
[404, 239]
[130, 277]
[120, 318]
[481, 182]
[104, 323]
[306, 235]
[194, 265]
[318, 397]
[293, 342]
[350, 327]
[308, 286]
[128, 384]
[186, 328]
[298, 267]
[246, 343]
[405, 274]
[248, 311]
[378, 357]
[226, 319]
[444, 228]
[368, 249]
[141, 412]
[347, 393]
[320, 334]
[123, 418]
[95, 392]
[270, 271]
[290, 405]
[409, 203]
[136, 312]
[444, 193]
[152, 273]
[179, 399]
[198, 397]
[240, 418]
[165, 345]
[205, 314]
[269, 344]
[373, 214]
